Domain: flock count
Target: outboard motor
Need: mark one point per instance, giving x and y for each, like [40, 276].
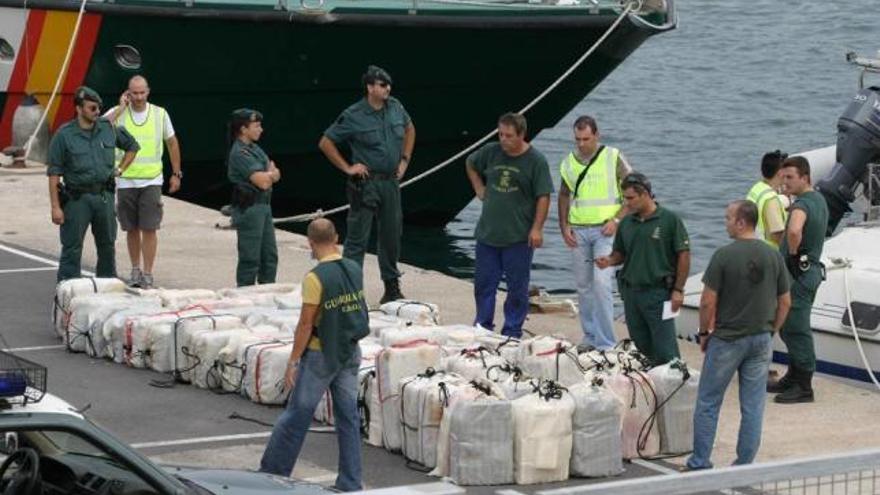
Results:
[858, 144]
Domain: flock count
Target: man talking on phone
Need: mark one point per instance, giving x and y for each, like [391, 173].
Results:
[139, 186]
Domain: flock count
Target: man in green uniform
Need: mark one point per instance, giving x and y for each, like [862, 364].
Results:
[83, 152]
[252, 174]
[653, 247]
[381, 137]
[802, 249]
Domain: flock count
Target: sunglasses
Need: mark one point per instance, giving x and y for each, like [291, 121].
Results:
[383, 84]
[93, 107]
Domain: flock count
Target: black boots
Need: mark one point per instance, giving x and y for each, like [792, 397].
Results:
[392, 291]
[782, 384]
[799, 390]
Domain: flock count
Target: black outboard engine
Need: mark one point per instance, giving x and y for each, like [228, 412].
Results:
[858, 144]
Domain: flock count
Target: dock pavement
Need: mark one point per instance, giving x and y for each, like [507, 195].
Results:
[193, 253]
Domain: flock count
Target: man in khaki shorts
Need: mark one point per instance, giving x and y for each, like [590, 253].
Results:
[139, 186]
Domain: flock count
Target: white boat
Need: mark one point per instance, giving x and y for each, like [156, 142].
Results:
[848, 175]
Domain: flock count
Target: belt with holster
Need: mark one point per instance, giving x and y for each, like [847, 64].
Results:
[382, 176]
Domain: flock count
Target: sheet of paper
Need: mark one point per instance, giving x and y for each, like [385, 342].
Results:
[667, 310]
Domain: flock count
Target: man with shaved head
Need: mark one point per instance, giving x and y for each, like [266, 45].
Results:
[325, 355]
[139, 186]
[745, 301]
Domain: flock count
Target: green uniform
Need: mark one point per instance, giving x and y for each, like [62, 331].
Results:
[257, 251]
[650, 248]
[749, 276]
[797, 334]
[85, 158]
[375, 138]
[344, 320]
[513, 183]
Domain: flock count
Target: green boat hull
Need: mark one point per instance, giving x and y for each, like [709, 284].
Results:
[454, 77]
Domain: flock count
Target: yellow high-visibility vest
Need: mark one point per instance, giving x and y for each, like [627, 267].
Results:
[150, 136]
[597, 198]
[760, 194]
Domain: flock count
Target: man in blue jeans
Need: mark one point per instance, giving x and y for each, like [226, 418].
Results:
[745, 300]
[590, 210]
[512, 179]
[325, 355]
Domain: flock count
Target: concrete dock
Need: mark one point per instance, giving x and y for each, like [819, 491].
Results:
[188, 426]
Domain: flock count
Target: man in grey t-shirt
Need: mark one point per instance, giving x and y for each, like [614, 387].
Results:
[745, 300]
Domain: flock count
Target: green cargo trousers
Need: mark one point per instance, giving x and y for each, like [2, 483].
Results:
[797, 333]
[377, 199]
[654, 336]
[97, 210]
[257, 251]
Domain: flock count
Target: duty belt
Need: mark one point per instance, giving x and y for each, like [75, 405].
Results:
[382, 176]
[88, 188]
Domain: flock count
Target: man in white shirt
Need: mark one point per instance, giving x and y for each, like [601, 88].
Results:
[139, 185]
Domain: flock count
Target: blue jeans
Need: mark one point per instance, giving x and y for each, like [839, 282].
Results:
[289, 433]
[514, 264]
[594, 288]
[750, 356]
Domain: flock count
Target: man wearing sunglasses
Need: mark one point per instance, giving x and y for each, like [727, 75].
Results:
[381, 137]
[83, 152]
[653, 246]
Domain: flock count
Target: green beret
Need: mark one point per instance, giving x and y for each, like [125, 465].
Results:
[83, 93]
[376, 73]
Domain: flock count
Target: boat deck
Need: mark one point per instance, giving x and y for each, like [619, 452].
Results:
[193, 253]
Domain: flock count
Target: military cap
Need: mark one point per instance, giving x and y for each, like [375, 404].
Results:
[376, 73]
[246, 115]
[84, 93]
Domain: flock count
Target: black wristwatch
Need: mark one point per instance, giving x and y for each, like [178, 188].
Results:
[178, 174]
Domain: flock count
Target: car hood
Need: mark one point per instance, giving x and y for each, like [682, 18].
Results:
[228, 481]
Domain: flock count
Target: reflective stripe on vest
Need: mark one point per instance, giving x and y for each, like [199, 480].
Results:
[598, 196]
[149, 135]
[759, 194]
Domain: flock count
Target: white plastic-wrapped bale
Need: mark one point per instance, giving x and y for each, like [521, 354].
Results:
[422, 400]
[474, 362]
[66, 290]
[542, 435]
[639, 435]
[88, 312]
[185, 330]
[282, 319]
[266, 365]
[506, 347]
[676, 387]
[459, 337]
[379, 321]
[273, 288]
[420, 313]
[481, 441]
[392, 364]
[370, 407]
[552, 359]
[324, 411]
[231, 359]
[181, 298]
[114, 330]
[206, 348]
[415, 334]
[512, 380]
[596, 431]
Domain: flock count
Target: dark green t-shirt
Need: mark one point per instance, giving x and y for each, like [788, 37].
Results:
[814, 205]
[87, 156]
[748, 276]
[650, 247]
[244, 160]
[513, 185]
[374, 136]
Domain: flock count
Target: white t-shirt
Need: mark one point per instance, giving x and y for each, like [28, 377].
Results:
[139, 118]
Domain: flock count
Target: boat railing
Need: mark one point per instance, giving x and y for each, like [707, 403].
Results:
[854, 472]
[867, 64]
